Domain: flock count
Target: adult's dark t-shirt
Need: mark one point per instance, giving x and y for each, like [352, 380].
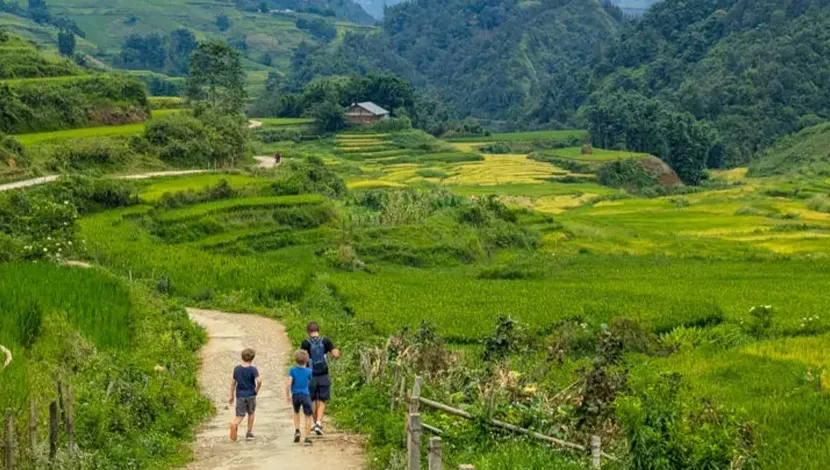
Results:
[245, 381]
[329, 347]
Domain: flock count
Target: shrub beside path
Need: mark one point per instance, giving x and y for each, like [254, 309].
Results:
[273, 448]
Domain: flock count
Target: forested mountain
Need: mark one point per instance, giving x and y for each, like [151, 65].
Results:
[755, 70]
[507, 60]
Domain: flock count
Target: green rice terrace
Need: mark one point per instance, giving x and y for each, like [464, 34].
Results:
[710, 298]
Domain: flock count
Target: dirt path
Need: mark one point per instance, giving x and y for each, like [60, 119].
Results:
[138, 176]
[28, 183]
[266, 162]
[254, 124]
[273, 448]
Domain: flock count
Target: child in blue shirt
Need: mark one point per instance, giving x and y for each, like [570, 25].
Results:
[298, 395]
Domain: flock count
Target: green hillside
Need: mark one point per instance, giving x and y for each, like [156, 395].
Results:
[512, 60]
[804, 153]
[40, 91]
[752, 70]
[21, 59]
[267, 39]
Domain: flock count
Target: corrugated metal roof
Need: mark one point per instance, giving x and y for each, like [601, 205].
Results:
[373, 108]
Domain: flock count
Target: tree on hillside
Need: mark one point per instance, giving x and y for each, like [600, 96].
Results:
[329, 117]
[39, 11]
[631, 121]
[182, 43]
[223, 22]
[66, 43]
[685, 145]
[143, 52]
[216, 77]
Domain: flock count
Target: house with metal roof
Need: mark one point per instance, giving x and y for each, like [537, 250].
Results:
[365, 113]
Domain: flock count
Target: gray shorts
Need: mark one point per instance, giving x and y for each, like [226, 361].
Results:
[245, 406]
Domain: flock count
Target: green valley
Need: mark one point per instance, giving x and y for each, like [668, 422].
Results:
[581, 234]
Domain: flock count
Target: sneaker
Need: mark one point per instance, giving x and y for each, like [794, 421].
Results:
[318, 429]
[297, 436]
[234, 429]
[308, 442]
[250, 436]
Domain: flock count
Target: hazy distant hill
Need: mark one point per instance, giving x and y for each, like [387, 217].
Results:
[634, 7]
[631, 7]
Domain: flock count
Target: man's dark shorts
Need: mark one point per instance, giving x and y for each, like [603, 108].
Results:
[320, 388]
[302, 401]
[245, 406]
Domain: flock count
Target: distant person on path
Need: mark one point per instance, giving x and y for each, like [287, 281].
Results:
[318, 348]
[245, 387]
[277, 158]
[298, 394]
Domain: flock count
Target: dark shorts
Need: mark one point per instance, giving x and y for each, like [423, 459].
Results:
[245, 406]
[320, 387]
[302, 401]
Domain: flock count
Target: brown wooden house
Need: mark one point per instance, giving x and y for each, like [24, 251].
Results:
[365, 113]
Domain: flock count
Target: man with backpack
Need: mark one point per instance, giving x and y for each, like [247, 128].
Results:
[318, 348]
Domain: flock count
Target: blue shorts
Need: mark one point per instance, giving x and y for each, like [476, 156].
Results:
[321, 388]
[301, 401]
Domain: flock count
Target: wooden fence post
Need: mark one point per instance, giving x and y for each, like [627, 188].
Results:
[394, 388]
[61, 402]
[415, 398]
[414, 402]
[366, 365]
[9, 441]
[53, 430]
[596, 452]
[436, 461]
[414, 442]
[33, 423]
[70, 420]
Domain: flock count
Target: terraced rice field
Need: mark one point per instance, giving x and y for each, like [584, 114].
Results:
[526, 136]
[597, 155]
[92, 132]
[686, 266]
[501, 169]
[154, 191]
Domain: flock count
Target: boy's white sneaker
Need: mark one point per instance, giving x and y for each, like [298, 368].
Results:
[318, 428]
